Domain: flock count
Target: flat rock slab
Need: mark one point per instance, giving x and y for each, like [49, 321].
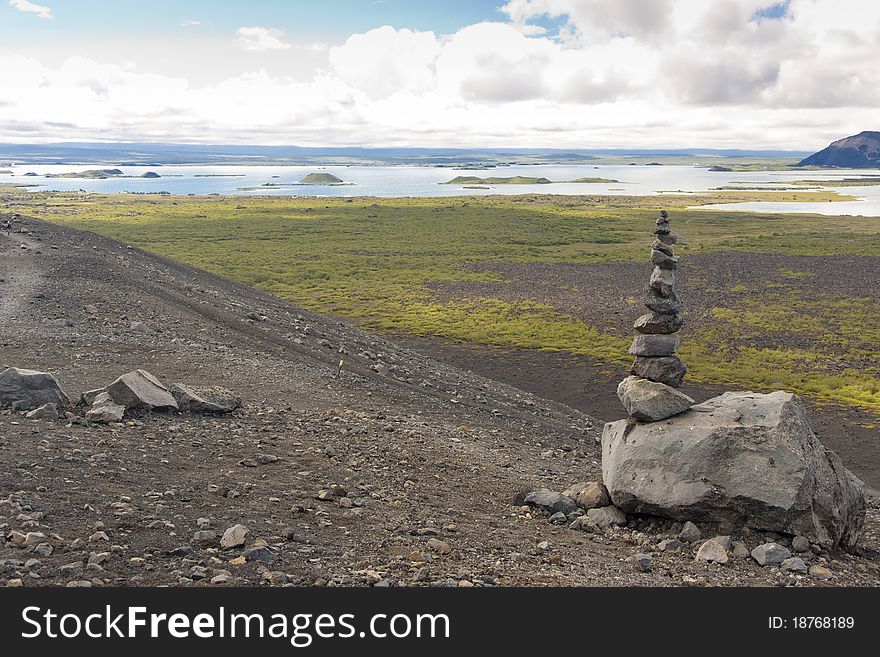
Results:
[649, 401]
[140, 390]
[654, 345]
[204, 399]
[662, 369]
[740, 459]
[657, 323]
[32, 387]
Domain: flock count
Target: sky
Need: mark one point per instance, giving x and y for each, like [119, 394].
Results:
[750, 74]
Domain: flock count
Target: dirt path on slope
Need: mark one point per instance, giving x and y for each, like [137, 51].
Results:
[19, 276]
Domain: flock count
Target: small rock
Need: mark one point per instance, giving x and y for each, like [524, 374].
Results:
[606, 516]
[794, 565]
[35, 538]
[820, 572]
[770, 554]
[45, 412]
[643, 562]
[234, 536]
[547, 499]
[261, 553]
[714, 550]
[690, 533]
[800, 544]
[670, 544]
[438, 546]
[740, 551]
[205, 537]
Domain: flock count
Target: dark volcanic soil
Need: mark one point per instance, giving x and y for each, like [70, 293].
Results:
[429, 456]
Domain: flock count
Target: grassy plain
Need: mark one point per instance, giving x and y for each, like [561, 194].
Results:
[377, 261]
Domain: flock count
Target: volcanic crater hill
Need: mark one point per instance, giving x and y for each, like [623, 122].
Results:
[394, 469]
[861, 151]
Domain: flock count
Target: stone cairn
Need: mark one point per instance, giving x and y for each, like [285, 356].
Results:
[650, 394]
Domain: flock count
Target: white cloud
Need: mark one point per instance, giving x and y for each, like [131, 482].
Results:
[190, 23]
[31, 8]
[678, 73]
[260, 38]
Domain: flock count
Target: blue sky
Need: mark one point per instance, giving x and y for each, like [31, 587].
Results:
[314, 19]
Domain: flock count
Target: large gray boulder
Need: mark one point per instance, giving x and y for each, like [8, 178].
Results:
[650, 401]
[32, 387]
[742, 458]
[140, 390]
[204, 399]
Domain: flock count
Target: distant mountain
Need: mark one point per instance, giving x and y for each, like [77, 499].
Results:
[861, 151]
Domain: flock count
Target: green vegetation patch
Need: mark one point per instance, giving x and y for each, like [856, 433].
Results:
[379, 261]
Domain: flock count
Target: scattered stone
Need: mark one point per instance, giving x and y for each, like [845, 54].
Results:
[32, 387]
[606, 516]
[140, 390]
[438, 546]
[643, 562]
[259, 553]
[670, 544]
[589, 495]
[105, 410]
[690, 533]
[234, 536]
[794, 565]
[800, 544]
[647, 401]
[740, 551]
[204, 399]
[714, 550]
[770, 554]
[45, 412]
[739, 458]
[139, 327]
[559, 518]
[205, 537]
[820, 572]
[551, 501]
[35, 538]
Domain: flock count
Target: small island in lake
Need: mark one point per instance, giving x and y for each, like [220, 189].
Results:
[519, 180]
[320, 179]
[99, 174]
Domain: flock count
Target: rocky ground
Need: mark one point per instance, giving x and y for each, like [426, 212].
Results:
[394, 470]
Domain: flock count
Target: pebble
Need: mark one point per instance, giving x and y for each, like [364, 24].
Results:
[800, 544]
[714, 550]
[740, 551]
[820, 572]
[438, 546]
[670, 544]
[234, 536]
[794, 565]
[690, 533]
[770, 554]
[643, 562]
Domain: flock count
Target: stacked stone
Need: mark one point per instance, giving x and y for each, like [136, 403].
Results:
[650, 393]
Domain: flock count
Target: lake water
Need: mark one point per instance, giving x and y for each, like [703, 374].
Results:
[391, 181]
